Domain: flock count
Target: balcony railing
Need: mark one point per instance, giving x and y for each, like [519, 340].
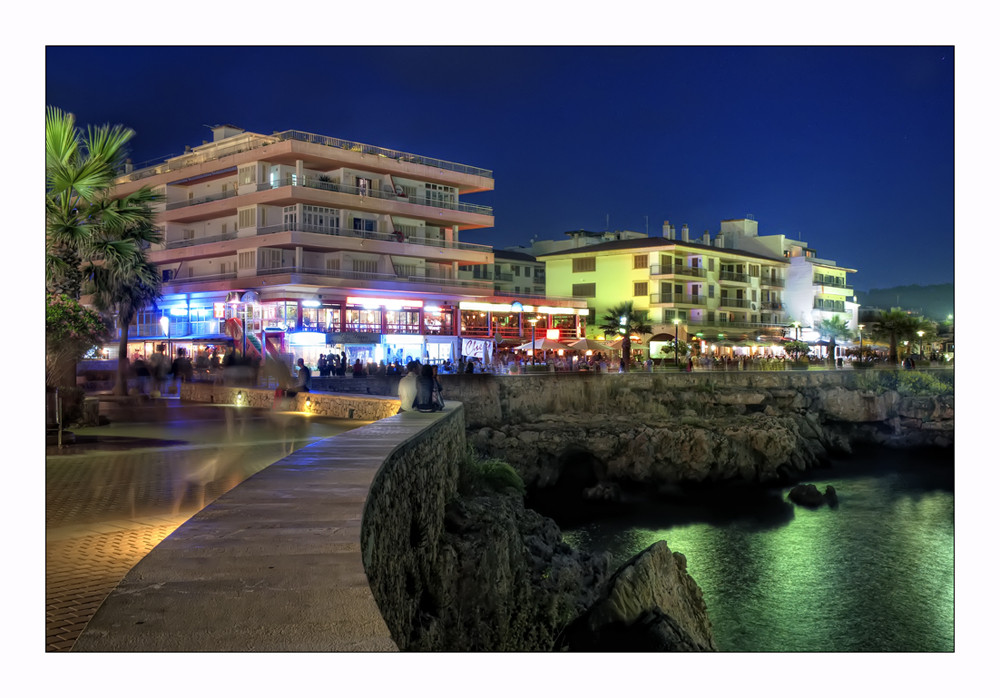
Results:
[676, 270]
[675, 298]
[834, 306]
[726, 301]
[312, 183]
[768, 281]
[173, 244]
[735, 324]
[733, 276]
[772, 305]
[373, 235]
[380, 277]
[200, 200]
[829, 281]
[254, 141]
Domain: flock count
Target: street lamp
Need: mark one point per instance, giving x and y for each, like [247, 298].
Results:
[796, 325]
[861, 339]
[534, 322]
[677, 322]
[920, 350]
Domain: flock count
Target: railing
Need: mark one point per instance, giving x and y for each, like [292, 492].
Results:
[829, 281]
[254, 141]
[372, 235]
[668, 270]
[200, 200]
[837, 306]
[772, 305]
[312, 183]
[397, 155]
[728, 302]
[722, 324]
[171, 244]
[768, 281]
[661, 298]
[180, 280]
[378, 276]
[733, 276]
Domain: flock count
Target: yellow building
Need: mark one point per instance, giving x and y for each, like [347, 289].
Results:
[712, 294]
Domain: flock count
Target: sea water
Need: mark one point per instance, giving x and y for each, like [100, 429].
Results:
[875, 573]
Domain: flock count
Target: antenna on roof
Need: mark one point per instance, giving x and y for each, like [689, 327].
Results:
[607, 221]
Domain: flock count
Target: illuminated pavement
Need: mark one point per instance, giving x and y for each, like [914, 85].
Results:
[124, 487]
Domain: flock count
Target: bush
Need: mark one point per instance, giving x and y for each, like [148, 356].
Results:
[479, 474]
[916, 383]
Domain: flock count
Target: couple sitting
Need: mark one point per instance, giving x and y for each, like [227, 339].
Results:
[423, 392]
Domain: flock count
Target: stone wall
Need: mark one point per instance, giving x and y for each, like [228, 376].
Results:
[342, 406]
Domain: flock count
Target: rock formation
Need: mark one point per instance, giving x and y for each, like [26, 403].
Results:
[650, 604]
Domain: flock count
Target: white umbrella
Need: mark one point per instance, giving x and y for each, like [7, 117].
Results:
[543, 344]
[587, 344]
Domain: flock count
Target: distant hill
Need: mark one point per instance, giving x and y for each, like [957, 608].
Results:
[933, 302]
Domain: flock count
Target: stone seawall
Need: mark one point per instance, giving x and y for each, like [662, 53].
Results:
[342, 406]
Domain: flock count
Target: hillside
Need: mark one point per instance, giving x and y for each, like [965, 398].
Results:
[934, 302]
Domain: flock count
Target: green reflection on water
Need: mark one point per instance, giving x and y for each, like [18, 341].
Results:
[875, 573]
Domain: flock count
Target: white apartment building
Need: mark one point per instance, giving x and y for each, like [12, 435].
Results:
[312, 245]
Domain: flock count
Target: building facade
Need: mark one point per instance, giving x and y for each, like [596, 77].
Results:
[299, 245]
[735, 287]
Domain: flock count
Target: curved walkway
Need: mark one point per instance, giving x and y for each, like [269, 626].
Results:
[273, 565]
[111, 500]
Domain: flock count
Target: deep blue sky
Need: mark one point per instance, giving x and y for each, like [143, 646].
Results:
[850, 147]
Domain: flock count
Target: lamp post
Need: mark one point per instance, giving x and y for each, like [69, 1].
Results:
[796, 325]
[534, 323]
[861, 340]
[677, 322]
[920, 350]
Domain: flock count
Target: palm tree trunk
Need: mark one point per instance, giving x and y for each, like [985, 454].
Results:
[121, 382]
[627, 350]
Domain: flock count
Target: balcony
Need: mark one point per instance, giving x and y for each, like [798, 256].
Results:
[675, 299]
[824, 280]
[727, 302]
[772, 305]
[312, 183]
[733, 277]
[378, 277]
[373, 235]
[254, 141]
[725, 325]
[188, 242]
[831, 306]
[768, 281]
[677, 270]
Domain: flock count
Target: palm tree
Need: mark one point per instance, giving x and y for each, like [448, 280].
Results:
[625, 320]
[892, 326]
[123, 281]
[833, 328]
[79, 175]
[87, 231]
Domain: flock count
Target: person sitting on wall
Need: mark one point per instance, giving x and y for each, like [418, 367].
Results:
[302, 378]
[408, 388]
[426, 384]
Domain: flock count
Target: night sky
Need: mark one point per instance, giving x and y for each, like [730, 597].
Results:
[851, 149]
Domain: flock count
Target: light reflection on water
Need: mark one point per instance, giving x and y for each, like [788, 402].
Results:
[876, 573]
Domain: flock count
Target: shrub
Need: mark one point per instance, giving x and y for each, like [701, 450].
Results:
[916, 383]
[875, 381]
[478, 474]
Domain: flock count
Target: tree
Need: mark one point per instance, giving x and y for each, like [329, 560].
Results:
[624, 320]
[80, 169]
[833, 328]
[90, 235]
[892, 326]
[70, 331]
[123, 282]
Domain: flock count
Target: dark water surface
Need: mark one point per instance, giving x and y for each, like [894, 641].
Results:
[874, 574]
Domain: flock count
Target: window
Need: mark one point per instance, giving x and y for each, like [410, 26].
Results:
[584, 290]
[365, 266]
[640, 288]
[711, 264]
[333, 265]
[581, 264]
[247, 174]
[247, 218]
[711, 290]
[248, 259]
[364, 224]
[640, 261]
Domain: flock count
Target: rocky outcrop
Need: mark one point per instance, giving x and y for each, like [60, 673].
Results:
[810, 496]
[650, 604]
[503, 580]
